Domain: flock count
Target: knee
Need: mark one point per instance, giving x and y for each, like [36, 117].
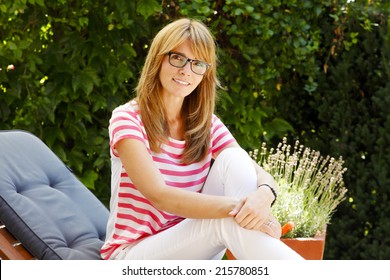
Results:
[236, 158]
[233, 155]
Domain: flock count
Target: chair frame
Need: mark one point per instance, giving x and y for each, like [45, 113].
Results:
[11, 248]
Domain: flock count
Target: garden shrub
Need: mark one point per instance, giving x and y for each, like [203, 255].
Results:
[348, 115]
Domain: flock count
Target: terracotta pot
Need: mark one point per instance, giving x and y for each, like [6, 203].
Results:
[308, 248]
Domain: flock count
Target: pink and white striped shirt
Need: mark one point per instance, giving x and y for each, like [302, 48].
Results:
[132, 217]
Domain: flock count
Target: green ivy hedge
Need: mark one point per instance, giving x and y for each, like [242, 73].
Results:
[317, 70]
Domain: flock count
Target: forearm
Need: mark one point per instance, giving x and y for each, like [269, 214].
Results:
[264, 177]
[191, 204]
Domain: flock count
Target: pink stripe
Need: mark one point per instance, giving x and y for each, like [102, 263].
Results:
[222, 135]
[171, 224]
[127, 239]
[138, 210]
[186, 184]
[216, 150]
[177, 145]
[125, 127]
[185, 173]
[119, 118]
[172, 155]
[107, 252]
[112, 247]
[134, 197]
[167, 161]
[131, 230]
[134, 114]
[136, 220]
[131, 126]
[144, 200]
[121, 138]
[216, 128]
[140, 222]
[127, 184]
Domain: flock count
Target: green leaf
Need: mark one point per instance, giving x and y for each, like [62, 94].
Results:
[85, 80]
[3, 8]
[277, 127]
[89, 178]
[60, 152]
[12, 45]
[83, 21]
[127, 50]
[76, 160]
[76, 80]
[23, 44]
[148, 7]
[40, 3]
[81, 111]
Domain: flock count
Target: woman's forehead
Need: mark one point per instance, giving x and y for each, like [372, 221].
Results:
[186, 48]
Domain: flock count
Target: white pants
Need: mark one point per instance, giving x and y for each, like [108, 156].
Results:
[232, 174]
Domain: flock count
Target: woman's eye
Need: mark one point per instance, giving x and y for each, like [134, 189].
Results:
[199, 64]
[177, 57]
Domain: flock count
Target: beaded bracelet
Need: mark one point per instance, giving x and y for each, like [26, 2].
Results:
[272, 190]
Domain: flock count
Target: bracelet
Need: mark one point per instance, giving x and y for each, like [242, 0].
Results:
[272, 190]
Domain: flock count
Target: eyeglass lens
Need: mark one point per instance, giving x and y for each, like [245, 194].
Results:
[178, 60]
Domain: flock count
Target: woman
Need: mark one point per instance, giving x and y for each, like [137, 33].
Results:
[166, 201]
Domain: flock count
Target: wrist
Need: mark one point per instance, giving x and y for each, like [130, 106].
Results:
[272, 191]
[234, 208]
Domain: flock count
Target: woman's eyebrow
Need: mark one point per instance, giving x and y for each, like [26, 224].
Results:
[183, 54]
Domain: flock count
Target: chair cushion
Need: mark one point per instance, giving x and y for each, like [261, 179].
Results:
[44, 205]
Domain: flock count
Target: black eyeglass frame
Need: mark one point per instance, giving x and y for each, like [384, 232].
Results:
[188, 60]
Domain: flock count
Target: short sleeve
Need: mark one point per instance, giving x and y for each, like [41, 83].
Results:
[220, 135]
[125, 123]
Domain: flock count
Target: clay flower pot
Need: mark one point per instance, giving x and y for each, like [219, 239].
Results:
[310, 248]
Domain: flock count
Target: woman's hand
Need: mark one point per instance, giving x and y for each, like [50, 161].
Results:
[250, 216]
[254, 213]
[272, 227]
[254, 210]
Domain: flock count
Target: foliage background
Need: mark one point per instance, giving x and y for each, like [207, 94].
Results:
[317, 70]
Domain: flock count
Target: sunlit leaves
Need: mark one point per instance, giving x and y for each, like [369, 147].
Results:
[148, 7]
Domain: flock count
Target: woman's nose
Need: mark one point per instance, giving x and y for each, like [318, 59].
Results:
[186, 70]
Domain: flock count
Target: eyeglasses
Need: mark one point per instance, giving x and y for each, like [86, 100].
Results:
[178, 60]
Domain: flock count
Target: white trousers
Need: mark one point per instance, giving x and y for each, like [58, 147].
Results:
[232, 174]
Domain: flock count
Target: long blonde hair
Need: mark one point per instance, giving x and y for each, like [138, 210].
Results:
[198, 107]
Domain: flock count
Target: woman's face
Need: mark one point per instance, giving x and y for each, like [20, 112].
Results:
[179, 82]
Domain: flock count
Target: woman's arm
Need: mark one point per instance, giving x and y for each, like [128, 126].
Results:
[255, 209]
[265, 182]
[149, 181]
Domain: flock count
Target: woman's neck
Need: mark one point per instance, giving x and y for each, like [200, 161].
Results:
[176, 129]
[173, 111]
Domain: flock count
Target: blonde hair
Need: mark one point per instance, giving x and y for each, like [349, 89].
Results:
[198, 107]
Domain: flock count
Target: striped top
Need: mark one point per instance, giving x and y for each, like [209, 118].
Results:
[132, 216]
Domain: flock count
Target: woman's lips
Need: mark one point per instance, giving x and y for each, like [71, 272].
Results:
[184, 83]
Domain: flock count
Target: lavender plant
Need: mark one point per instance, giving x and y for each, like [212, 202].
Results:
[310, 186]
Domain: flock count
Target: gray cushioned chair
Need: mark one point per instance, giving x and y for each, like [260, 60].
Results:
[43, 205]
